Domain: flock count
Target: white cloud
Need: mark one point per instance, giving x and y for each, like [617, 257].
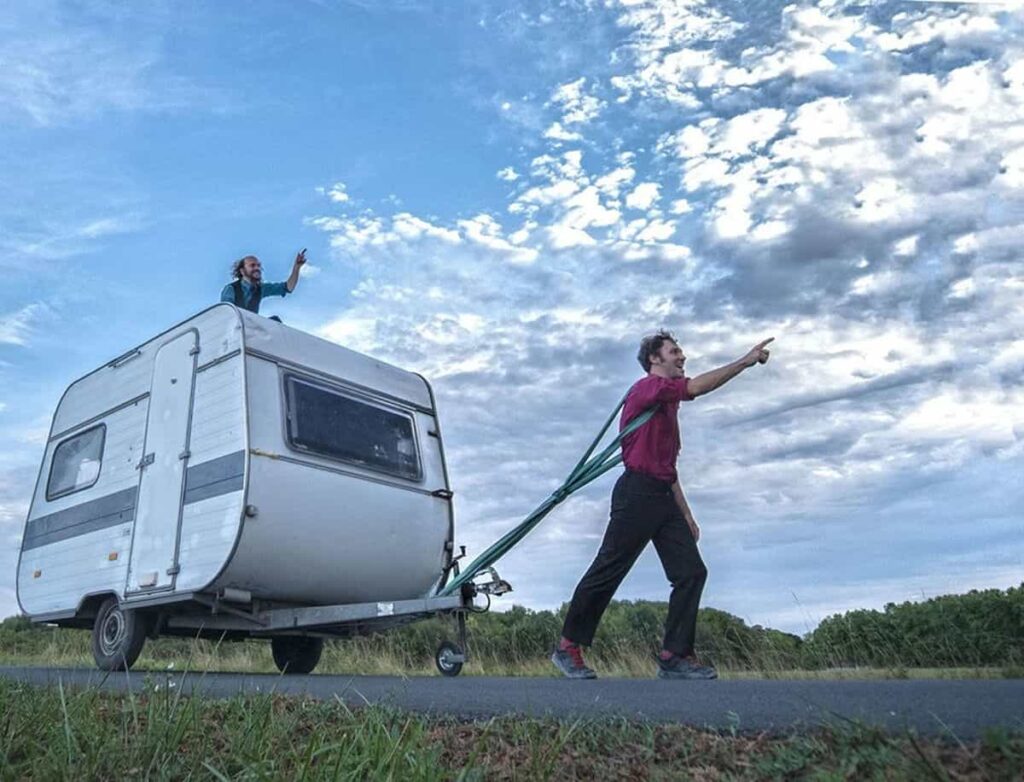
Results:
[578, 107]
[644, 196]
[585, 208]
[613, 182]
[558, 133]
[336, 192]
[52, 238]
[58, 65]
[16, 327]
[486, 231]
[408, 226]
[860, 204]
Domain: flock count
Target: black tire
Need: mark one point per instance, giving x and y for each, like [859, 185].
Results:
[444, 665]
[118, 635]
[296, 653]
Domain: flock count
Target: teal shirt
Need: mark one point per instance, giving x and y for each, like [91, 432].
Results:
[266, 289]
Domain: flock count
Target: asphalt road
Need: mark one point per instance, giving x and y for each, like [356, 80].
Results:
[964, 708]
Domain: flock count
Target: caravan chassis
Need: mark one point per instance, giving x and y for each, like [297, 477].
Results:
[214, 616]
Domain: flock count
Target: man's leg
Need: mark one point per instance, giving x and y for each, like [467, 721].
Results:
[632, 519]
[685, 570]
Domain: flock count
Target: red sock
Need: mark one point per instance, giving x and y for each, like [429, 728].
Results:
[565, 643]
[666, 654]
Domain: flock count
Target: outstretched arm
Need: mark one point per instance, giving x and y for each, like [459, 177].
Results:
[293, 278]
[709, 381]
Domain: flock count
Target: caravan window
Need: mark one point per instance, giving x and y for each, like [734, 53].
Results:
[76, 463]
[326, 422]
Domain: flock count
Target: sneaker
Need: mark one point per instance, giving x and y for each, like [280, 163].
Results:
[677, 667]
[570, 662]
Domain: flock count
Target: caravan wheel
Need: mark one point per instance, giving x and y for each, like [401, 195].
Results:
[449, 659]
[117, 636]
[296, 653]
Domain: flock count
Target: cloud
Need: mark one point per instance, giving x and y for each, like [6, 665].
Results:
[577, 105]
[337, 192]
[644, 196]
[558, 133]
[16, 327]
[54, 237]
[59, 64]
[857, 197]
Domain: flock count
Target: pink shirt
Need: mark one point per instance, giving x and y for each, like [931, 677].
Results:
[654, 447]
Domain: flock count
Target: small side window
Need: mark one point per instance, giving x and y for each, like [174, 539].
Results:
[76, 463]
[328, 423]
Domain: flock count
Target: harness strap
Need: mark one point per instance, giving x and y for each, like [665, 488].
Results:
[587, 470]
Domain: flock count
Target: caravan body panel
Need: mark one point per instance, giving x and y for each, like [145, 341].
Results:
[327, 531]
[78, 543]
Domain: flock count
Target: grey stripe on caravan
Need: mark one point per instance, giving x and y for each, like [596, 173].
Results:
[202, 481]
[116, 508]
[218, 476]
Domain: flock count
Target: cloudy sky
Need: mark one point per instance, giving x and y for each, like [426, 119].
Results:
[506, 196]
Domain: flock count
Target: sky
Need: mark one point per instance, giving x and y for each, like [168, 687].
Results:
[507, 196]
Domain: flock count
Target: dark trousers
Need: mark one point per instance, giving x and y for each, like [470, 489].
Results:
[643, 509]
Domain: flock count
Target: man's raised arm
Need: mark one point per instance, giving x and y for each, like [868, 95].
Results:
[293, 278]
[709, 381]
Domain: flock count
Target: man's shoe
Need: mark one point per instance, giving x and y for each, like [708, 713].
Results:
[570, 662]
[677, 667]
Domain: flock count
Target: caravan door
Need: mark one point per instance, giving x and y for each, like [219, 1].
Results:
[153, 562]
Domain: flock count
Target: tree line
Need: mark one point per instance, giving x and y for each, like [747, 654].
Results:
[980, 628]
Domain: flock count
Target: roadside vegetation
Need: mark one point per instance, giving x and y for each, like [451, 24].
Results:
[60, 733]
[976, 634]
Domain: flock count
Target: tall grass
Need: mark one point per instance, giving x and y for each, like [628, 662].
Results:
[981, 632]
[59, 733]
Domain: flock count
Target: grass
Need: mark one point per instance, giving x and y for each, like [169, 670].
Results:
[61, 733]
[58, 647]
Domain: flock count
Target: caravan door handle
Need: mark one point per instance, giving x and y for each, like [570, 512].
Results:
[145, 461]
[444, 494]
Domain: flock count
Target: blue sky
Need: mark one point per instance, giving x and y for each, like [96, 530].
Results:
[507, 196]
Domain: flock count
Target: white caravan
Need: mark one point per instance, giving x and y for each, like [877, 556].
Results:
[236, 477]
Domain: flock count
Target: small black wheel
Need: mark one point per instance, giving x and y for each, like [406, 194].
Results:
[118, 636]
[443, 659]
[296, 653]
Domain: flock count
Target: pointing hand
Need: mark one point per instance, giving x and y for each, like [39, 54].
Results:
[757, 354]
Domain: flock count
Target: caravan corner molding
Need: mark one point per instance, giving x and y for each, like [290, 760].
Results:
[235, 456]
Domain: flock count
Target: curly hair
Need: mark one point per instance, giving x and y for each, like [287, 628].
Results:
[236, 267]
[651, 346]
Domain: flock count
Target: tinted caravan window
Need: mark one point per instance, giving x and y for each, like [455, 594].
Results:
[329, 423]
[76, 463]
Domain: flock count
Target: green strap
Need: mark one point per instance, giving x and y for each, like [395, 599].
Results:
[587, 470]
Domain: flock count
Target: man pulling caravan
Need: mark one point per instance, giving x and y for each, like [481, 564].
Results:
[248, 289]
[648, 505]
